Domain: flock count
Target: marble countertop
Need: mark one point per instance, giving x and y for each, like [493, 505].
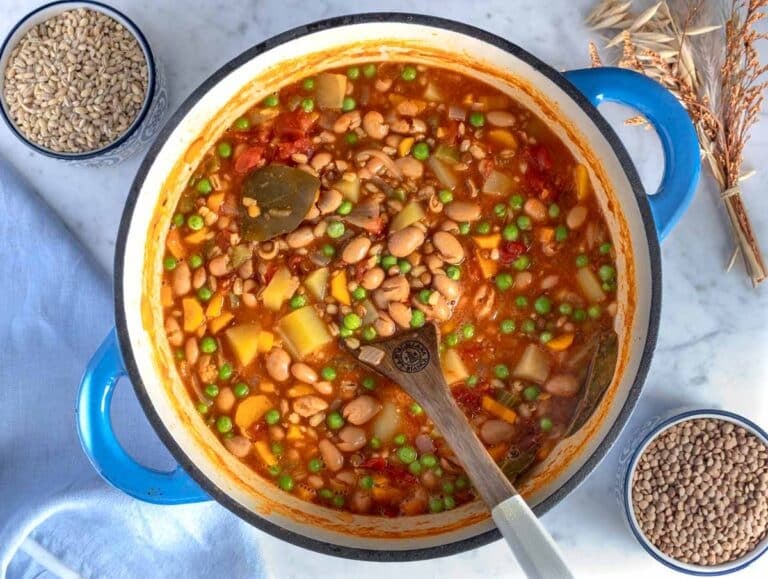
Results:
[714, 328]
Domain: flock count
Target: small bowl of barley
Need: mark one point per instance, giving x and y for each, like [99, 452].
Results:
[78, 82]
[695, 492]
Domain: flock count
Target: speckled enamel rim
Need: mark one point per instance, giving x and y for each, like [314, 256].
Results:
[697, 570]
[148, 98]
[634, 392]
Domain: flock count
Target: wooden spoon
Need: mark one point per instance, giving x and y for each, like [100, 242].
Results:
[411, 360]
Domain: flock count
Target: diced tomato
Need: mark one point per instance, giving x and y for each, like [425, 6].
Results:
[270, 272]
[541, 157]
[468, 398]
[377, 463]
[451, 133]
[249, 159]
[294, 125]
[396, 474]
[285, 150]
[222, 240]
[509, 251]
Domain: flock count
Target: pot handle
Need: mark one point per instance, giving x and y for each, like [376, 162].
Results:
[94, 425]
[682, 161]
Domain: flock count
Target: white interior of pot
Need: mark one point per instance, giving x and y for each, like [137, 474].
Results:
[170, 397]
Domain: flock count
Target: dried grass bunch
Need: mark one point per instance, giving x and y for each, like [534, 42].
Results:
[704, 52]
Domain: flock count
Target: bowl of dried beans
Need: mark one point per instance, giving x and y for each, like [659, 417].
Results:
[696, 492]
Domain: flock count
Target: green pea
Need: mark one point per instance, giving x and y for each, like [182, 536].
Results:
[400, 439]
[277, 448]
[424, 296]
[408, 73]
[404, 265]
[366, 482]
[204, 186]
[369, 333]
[414, 468]
[453, 272]
[223, 424]
[483, 228]
[203, 408]
[504, 281]
[179, 354]
[272, 416]
[510, 232]
[243, 124]
[351, 138]
[338, 501]
[472, 380]
[224, 149]
[463, 227]
[462, 482]
[169, 263]
[451, 340]
[418, 319]
[359, 293]
[375, 443]
[274, 470]
[328, 250]
[348, 104]
[516, 202]
[297, 302]
[542, 305]
[353, 72]
[521, 302]
[561, 233]
[416, 409]
[325, 493]
[565, 308]
[594, 311]
[605, 248]
[449, 503]
[436, 505]
[315, 465]
[308, 84]
[524, 222]
[369, 70]
[225, 371]
[606, 272]
[195, 261]
[352, 321]
[554, 211]
[388, 261]
[211, 391]
[208, 345]
[448, 487]
[204, 294]
[522, 263]
[308, 105]
[579, 315]
[528, 326]
[582, 260]
[270, 101]
[545, 337]
[429, 460]
[328, 373]
[531, 393]
[476, 119]
[500, 210]
[334, 421]
[178, 219]
[407, 454]
[420, 151]
[195, 222]
[335, 229]
[345, 208]
[468, 331]
[501, 371]
[369, 383]
[285, 481]
[507, 326]
[546, 424]
[242, 390]
[445, 195]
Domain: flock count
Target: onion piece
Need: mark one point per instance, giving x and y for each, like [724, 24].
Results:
[457, 113]
[385, 159]
[443, 173]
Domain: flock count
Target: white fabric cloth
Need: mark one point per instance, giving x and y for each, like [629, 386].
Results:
[55, 308]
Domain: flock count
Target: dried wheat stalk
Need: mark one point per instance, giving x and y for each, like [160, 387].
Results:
[704, 52]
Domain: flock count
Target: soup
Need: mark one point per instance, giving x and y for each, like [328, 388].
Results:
[362, 201]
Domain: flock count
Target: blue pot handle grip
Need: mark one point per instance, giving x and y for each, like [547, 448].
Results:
[682, 161]
[100, 444]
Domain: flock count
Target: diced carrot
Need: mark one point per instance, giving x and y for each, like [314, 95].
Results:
[266, 340]
[294, 433]
[214, 201]
[250, 411]
[491, 241]
[560, 343]
[497, 451]
[405, 146]
[339, 288]
[215, 306]
[174, 244]
[303, 493]
[265, 453]
[166, 296]
[499, 410]
[299, 390]
[581, 181]
[545, 234]
[220, 322]
[201, 331]
[269, 388]
[193, 314]
[197, 237]
[503, 138]
[488, 267]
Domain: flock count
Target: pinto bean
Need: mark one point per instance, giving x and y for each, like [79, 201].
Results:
[361, 502]
[351, 438]
[238, 445]
[181, 281]
[301, 237]
[329, 201]
[404, 242]
[309, 405]
[463, 211]
[576, 217]
[361, 409]
[347, 121]
[199, 278]
[304, 373]
[549, 282]
[400, 314]
[384, 325]
[374, 125]
[393, 289]
[424, 444]
[332, 456]
[502, 119]
[245, 270]
[191, 351]
[446, 286]
[495, 431]
[565, 385]
[278, 362]
[434, 263]
[225, 401]
[373, 278]
[323, 387]
[173, 331]
[320, 160]
[535, 209]
[411, 168]
[356, 249]
[523, 280]
[448, 247]
[276, 433]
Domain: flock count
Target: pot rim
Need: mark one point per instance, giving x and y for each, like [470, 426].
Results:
[607, 133]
